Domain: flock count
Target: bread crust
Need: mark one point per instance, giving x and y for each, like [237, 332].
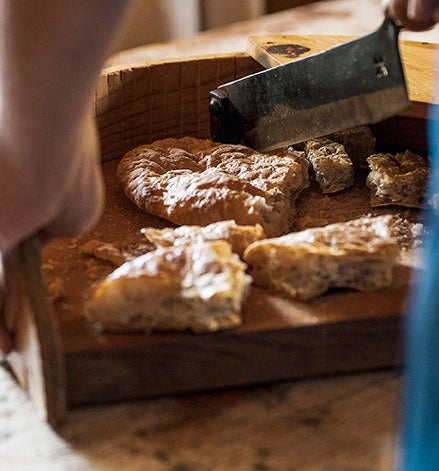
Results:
[397, 179]
[238, 236]
[199, 286]
[359, 254]
[333, 168]
[198, 182]
[359, 144]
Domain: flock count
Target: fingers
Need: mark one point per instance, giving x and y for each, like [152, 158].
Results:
[423, 11]
[79, 200]
[81, 206]
[82, 200]
[5, 341]
[415, 15]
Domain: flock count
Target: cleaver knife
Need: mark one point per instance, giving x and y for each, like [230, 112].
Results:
[356, 83]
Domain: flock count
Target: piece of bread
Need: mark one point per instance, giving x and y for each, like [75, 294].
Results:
[103, 251]
[198, 286]
[397, 179]
[333, 168]
[239, 237]
[359, 143]
[197, 182]
[359, 254]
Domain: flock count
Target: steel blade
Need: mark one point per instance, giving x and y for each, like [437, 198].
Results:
[355, 83]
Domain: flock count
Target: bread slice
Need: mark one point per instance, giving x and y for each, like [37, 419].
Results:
[359, 143]
[198, 286]
[397, 179]
[239, 237]
[333, 168]
[191, 181]
[359, 254]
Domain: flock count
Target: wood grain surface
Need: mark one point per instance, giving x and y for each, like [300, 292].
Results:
[418, 58]
[343, 423]
[280, 339]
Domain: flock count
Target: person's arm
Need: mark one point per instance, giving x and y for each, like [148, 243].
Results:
[51, 53]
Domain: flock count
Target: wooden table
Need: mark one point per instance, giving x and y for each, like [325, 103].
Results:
[336, 17]
[345, 423]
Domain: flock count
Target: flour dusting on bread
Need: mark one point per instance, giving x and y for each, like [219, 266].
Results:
[397, 179]
[199, 286]
[190, 181]
[359, 254]
[239, 237]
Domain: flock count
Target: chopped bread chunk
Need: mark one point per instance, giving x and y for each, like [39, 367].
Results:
[239, 237]
[332, 166]
[103, 251]
[359, 144]
[198, 286]
[197, 182]
[359, 254]
[397, 179]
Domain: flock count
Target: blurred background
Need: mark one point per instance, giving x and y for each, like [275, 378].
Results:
[153, 21]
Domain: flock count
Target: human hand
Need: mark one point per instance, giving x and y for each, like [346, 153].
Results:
[416, 15]
[51, 54]
[77, 192]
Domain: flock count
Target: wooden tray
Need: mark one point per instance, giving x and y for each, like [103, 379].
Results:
[339, 332]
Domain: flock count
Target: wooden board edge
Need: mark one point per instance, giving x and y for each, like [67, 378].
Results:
[418, 60]
[38, 358]
[291, 46]
[248, 359]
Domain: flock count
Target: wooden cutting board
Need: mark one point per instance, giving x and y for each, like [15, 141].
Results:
[280, 339]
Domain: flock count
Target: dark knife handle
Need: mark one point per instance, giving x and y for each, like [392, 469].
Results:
[225, 125]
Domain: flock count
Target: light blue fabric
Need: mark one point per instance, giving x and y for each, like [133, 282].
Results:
[420, 419]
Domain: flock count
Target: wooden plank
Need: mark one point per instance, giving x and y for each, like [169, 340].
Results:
[38, 356]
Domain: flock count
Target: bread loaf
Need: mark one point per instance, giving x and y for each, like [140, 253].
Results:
[190, 181]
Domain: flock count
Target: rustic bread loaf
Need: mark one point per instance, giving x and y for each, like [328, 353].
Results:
[359, 254]
[397, 179]
[239, 237]
[198, 286]
[197, 182]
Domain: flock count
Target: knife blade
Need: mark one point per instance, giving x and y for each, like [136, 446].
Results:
[356, 83]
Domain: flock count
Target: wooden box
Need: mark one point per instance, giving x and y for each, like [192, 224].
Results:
[64, 363]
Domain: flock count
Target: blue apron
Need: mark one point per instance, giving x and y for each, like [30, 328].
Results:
[419, 449]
